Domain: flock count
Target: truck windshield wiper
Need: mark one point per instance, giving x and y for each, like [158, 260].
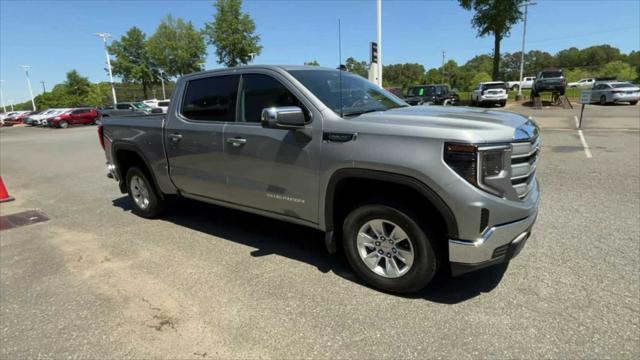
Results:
[352, 113]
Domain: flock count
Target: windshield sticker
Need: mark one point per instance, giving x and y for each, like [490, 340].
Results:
[421, 92]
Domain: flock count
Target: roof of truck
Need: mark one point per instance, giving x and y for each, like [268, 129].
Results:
[262, 67]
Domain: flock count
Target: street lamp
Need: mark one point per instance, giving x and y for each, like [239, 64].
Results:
[4, 108]
[26, 72]
[524, 33]
[104, 37]
[11, 103]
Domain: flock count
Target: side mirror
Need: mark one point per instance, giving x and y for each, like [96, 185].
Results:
[286, 117]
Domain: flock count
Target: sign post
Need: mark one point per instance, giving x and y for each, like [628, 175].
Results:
[585, 98]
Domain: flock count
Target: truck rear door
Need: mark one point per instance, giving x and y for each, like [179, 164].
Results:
[194, 134]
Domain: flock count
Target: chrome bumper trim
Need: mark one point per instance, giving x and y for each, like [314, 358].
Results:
[482, 249]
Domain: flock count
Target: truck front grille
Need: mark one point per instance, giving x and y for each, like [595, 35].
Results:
[524, 157]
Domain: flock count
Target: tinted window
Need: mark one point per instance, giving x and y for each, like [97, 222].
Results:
[551, 74]
[495, 86]
[622, 85]
[123, 106]
[263, 91]
[163, 103]
[212, 99]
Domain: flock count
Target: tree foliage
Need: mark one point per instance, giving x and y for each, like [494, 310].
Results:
[494, 17]
[357, 67]
[232, 33]
[132, 61]
[403, 75]
[312, 63]
[177, 47]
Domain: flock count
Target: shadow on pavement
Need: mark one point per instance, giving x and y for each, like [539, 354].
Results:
[304, 244]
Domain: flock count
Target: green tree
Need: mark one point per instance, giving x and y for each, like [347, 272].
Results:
[357, 67]
[312, 63]
[232, 33]
[433, 76]
[494, 17]
[177, 47]
[633, 59]
[403, 75]
[480, 77]
[480, 63]
[569, 58]
[619, 69]
[132, 62]
[76, 87]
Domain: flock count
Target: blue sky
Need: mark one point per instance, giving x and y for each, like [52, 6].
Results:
[57, 36]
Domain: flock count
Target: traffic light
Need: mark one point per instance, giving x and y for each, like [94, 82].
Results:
[374, 52]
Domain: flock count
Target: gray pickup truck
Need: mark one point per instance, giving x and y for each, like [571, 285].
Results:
[404, 191]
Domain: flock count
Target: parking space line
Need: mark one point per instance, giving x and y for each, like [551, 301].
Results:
[587, 151]
[576, 119]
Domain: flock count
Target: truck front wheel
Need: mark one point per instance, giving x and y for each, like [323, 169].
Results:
[142, 194]
[388, 249]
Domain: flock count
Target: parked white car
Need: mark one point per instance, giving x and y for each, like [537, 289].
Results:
[152, 103]
[36, 119]
[615, 92]
[492, 92]
[582, 83]
[164, 105]
[527, 83]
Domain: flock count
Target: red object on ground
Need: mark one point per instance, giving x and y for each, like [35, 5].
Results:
[4, 195]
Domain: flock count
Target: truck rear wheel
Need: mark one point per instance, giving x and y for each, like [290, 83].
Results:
[388, 249]
[143, 194]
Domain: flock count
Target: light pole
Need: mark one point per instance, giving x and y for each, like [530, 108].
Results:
[11, 103]
[379, 27]
[164, 95]
[524, 33]
[104, 37]
[4, 108]
[443, 54]
[44, 89]
[26, 72]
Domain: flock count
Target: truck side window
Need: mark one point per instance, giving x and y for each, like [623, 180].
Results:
[211, 99]
[123, 106]
[262, 91]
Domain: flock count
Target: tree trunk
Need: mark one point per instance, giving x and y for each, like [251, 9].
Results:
[496, 57]
[145, 90]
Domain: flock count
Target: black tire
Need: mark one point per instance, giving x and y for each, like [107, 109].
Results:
[156, 203]
[503, 103]
[603, 100]
[473, 102]
[515, 87]
[633, 102]
[63, 124]
[425, 263]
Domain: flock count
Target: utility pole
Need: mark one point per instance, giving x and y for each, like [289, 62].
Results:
[4, 108]
[379, 12]
[443, 54]
[104, 37]
[524, 33]
[164, 95]
[26, 72]
[11, 104]
[44, 89]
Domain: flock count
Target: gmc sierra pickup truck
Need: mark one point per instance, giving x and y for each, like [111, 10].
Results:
[404, 191]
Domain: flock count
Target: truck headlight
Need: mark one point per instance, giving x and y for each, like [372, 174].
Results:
[478, 164]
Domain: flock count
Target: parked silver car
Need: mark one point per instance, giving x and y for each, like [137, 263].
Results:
[615, 92]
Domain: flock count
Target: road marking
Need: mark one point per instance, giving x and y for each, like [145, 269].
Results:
[576, 119]
[585, 145]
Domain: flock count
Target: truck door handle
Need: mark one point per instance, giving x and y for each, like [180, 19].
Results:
[237, 141]
[175, 137]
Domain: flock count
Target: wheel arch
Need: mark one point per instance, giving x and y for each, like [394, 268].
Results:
[353, 175]
[126, 155]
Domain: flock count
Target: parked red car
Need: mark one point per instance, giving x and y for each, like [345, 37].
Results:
[18, 118]
[84, 116]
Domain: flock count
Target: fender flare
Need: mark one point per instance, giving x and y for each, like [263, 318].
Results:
[127, 146]
[413, 183]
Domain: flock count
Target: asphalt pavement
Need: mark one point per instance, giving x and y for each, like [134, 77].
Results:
[96, 281]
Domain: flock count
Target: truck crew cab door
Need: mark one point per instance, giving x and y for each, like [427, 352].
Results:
[275, 170]
[194, 135]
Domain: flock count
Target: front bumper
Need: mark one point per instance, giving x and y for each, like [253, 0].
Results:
[497, 244]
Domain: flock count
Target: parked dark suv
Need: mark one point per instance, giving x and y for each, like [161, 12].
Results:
[549, 81]
[431, 94]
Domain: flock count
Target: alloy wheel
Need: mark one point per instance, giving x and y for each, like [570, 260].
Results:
[385, 248]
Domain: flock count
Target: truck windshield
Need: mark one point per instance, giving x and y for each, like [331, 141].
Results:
[358, 94]
[421, 91]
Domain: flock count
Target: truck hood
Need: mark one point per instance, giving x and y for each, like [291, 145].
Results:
[491, 125]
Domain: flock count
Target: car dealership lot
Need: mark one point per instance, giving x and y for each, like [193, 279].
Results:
[206, 282]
